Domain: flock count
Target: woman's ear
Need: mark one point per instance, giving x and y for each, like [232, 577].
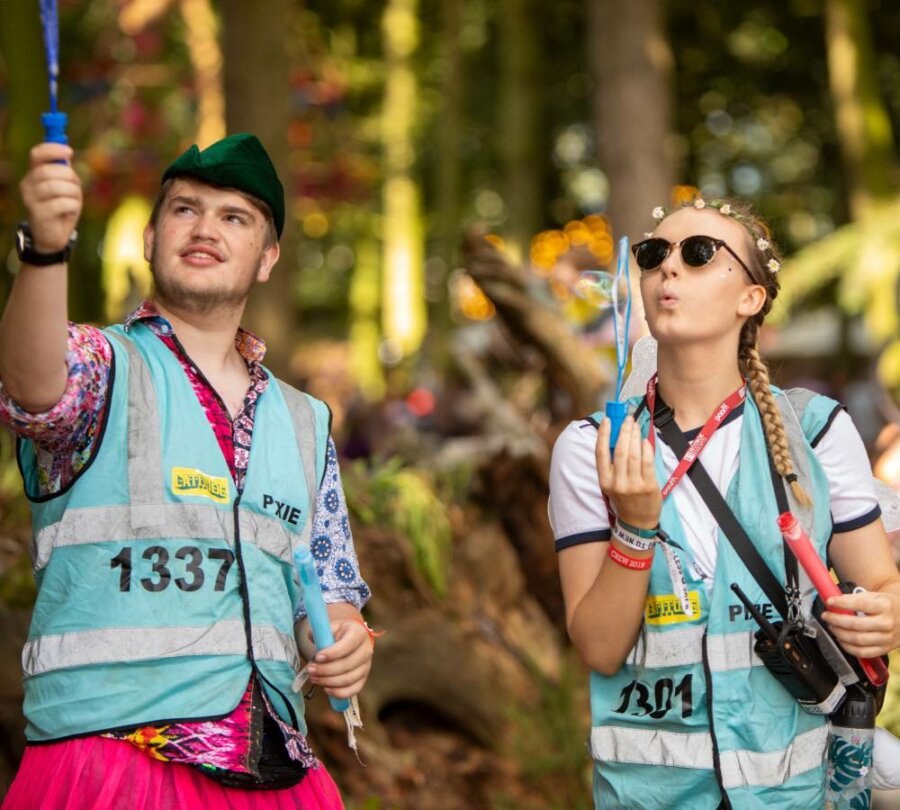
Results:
[752, 301]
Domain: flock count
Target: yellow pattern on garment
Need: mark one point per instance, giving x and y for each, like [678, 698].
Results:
[187, 481]
[666, 609]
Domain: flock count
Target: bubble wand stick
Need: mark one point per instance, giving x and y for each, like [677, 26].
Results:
[320, 623]
[54, 121]
[319, 620]
[616, 410]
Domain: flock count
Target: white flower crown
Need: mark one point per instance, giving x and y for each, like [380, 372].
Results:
[763, 245]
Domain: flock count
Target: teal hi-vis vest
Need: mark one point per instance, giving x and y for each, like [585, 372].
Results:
[692, 695]
[160, 590]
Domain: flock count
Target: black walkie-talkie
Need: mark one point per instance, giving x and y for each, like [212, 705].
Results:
[795, 660]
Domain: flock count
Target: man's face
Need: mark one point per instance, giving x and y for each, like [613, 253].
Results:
[207, 248]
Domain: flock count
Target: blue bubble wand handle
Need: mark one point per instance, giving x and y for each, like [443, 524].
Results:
[316, 610]
[54, 121]
[616, 410]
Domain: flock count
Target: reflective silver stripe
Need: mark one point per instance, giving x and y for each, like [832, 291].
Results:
[145, 468]
[97, 524]
[267, 533]
[644, 746]
[674, 648]
[734, 651]
[769, 769]
[683, 647]
[304, 419]
[119, 645]
[641, 746]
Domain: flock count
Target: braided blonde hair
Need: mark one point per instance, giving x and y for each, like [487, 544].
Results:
[750, 362]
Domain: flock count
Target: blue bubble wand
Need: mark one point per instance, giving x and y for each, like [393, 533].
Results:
[54, 121]
[319, 620]
[616, 410]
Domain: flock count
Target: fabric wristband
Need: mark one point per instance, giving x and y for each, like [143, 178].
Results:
[631, 563]
[647, 534]
[634, 541]
[373, 634]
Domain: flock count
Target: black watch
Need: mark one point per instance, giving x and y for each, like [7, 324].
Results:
[28, 255]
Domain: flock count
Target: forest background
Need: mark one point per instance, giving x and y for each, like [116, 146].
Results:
[451, 167]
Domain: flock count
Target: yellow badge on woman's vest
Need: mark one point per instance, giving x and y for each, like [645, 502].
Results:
[666, 608]
[187, 481]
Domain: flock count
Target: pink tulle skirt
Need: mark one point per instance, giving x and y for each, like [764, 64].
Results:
[96, 773]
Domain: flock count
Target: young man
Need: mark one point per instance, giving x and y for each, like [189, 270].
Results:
[170, 476]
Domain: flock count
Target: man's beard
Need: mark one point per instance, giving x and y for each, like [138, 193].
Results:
[172, 292]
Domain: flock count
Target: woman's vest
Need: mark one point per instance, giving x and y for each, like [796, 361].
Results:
[692, 695]
[160, 590]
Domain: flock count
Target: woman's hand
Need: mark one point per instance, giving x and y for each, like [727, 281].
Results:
[863, 556]
[629, 478]
[875, 632]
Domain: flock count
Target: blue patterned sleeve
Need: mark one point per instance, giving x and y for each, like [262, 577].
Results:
[331, 542]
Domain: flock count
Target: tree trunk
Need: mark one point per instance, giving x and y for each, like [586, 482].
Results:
[863, 126]
[257, 100]
[201, 29]
[403, 299]
[27, 97]
[520, 123]
[631, 64]
[449, 137]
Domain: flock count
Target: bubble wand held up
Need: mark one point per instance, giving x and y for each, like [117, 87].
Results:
[54, 121]
[616, 410]
[603, 290]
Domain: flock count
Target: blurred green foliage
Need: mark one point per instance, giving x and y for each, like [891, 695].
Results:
[404, 499]
[550, 743]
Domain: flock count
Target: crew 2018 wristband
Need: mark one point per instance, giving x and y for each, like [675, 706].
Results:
[631, 563]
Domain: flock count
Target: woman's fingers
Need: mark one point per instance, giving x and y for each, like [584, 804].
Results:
[630, 468]
[604, 462]
[871, 631]
[628, 475]
[648, 465]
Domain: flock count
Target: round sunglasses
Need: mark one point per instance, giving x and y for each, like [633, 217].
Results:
[696, 251]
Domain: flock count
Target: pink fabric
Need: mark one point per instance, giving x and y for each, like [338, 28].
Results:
[95, 773]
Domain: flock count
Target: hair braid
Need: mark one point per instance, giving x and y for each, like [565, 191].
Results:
[751, 363]
[754, 369]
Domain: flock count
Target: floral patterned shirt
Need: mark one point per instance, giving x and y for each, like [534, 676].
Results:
[64, 440]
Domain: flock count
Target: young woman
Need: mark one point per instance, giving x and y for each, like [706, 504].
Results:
[683, 712]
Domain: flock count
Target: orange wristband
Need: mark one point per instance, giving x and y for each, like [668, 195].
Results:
[372, 633]
[629, 562]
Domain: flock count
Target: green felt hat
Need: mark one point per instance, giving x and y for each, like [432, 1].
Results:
[239, 162]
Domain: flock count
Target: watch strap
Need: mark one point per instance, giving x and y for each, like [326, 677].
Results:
[29, 255]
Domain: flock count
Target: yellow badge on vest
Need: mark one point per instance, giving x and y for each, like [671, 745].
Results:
[666, 608]
[186, 481]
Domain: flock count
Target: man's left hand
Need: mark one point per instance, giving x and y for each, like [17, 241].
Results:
[342, 669]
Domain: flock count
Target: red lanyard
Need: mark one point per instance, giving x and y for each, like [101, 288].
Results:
[706, 432]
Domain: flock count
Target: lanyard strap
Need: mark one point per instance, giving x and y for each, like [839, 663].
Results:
[696, 446]
[727, 520]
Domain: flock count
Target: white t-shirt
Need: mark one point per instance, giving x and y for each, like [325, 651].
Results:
[578, 511]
